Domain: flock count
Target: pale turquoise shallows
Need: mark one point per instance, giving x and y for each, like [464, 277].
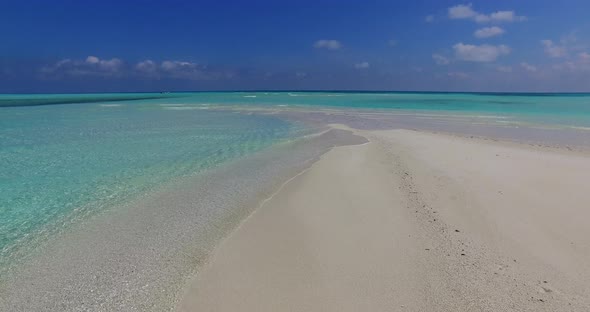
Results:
[60, 163]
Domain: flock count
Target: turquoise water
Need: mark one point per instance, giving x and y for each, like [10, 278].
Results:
[60, 163]
[561, 109]
[571, 109]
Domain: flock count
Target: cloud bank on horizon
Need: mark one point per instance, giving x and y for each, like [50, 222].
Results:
[448, 47]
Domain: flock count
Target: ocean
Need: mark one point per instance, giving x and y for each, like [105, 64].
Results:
[69, 162]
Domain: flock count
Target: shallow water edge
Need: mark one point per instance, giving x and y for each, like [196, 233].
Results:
[139, 256]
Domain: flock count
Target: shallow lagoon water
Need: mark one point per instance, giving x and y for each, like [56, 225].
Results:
[62, 162]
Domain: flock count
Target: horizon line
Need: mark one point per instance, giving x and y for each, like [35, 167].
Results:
[308, 90]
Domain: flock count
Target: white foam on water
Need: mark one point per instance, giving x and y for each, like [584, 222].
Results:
[183, 107]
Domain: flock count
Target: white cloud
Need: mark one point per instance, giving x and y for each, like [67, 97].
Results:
[58, 66]
[92, 59]
[192, 71]
[361, 65]
[579, 64]
[300, 75]
[112, 65]
[392, 43]
[463, 11]
[506, 16]
[553, 50]
[178, 65]
[569, 66]
[487, 32]
[528, 67]
[504, 69]
[147, 66]
[174, 69]
[327, 44]
[91, 66]
[479, 53]
[440, 60]
[429, 19]
[63, 62]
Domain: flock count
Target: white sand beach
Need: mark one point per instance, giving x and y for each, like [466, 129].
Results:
[413, 221]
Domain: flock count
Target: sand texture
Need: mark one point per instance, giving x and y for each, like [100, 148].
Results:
[413, 221]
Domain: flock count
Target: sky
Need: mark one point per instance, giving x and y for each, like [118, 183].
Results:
[430, 45]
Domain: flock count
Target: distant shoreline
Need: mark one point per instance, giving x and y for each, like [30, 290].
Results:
[516, 93]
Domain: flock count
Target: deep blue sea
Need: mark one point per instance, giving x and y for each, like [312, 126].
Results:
[66, 156]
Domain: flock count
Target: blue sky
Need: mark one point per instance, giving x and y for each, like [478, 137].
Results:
[435, 45]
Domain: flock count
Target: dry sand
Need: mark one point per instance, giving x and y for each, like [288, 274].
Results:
[413, 222]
